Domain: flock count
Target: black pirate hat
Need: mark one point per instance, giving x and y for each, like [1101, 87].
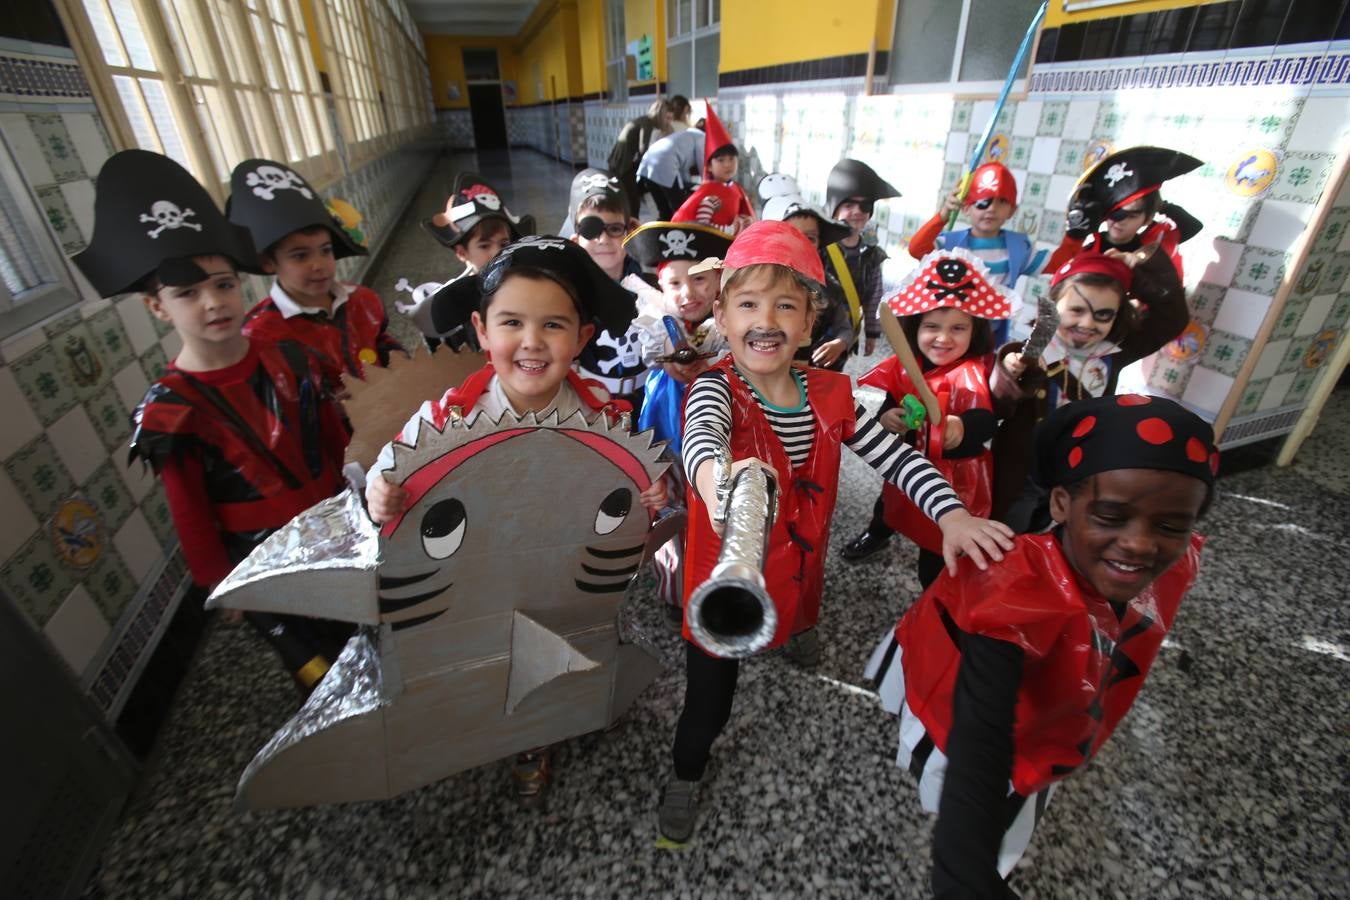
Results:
[603, 300]
[1127, 175]
[661, 242]
[150, 218]
[472, 201]
[851, 178]
[590, 183]
[271, 200]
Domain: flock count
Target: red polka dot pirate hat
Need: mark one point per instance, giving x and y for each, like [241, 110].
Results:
[1128, 431]
[955, 279]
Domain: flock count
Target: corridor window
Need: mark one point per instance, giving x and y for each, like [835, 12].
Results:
[693, 46]
[32, 280]
[616, 52]
[941, 42]
[347, 52]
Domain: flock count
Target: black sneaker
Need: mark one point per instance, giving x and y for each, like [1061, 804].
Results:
[679, 808]
[864, 545]
[675, 617]
[803, 648]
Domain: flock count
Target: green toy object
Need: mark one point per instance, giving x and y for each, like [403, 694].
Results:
[914, 412]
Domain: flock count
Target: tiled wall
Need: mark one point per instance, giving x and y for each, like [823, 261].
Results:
[556, 129]
[88, 550]
[455, 127]
[1270, 126]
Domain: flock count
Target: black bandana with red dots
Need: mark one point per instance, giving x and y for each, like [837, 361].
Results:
[1128, 431]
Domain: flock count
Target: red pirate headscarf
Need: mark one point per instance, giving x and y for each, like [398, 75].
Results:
[954, 278]
[1095, 263]
[992, 180]
[775, 243]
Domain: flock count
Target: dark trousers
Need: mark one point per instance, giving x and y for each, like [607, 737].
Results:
[667, 199]
[710, 686]
[930, 563]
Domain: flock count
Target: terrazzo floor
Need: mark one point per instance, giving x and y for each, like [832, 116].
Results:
[1228, 778]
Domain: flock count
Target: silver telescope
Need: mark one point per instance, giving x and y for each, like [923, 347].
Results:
[731, 615]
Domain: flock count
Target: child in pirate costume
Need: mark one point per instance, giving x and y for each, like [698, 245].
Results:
[475, 225]
[833, 333]
[679, 341]
[243, 432]
[1100, 332]
[989, 204]
[851, 266]
[1117, 205]
[533, 309]
[758, 408]
[1009, 679]
[946, 308]
[719, 200]
[299, 240]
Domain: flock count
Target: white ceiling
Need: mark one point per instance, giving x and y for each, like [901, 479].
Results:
[471, 17]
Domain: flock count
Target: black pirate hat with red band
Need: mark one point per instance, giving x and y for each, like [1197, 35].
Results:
[603, 300]
[662, 242]
[472, 201]
[1127, 175]
[1127, 431]
[271, 200]
[955, 279]
[853, 178]
[151, 217]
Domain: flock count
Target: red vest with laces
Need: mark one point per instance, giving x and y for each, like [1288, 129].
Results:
[467, 393]
[259, 438]
[1084, 657]
[972, 477]
[352, 336]
[794, 569]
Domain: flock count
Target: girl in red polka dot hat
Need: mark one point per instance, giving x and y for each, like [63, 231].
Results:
[1008, 679]
[945, 308]
[1114, 308]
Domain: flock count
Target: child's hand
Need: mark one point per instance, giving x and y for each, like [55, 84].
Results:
[953, 432]
[828, 352]
[965, 535]
[1013, 365]
[687, 372]
[893, 420]
[384, 499]
[953, 202]
[654, 497]
[869, 346]
[707, 489]
[742, 223]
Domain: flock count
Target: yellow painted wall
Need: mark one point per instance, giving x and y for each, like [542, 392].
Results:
[549, 40]
[1056, 15]
[445, 62]
[591, 34]
[649, 17]
[771, 32]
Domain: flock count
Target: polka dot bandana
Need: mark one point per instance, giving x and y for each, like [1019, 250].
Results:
[955, 279]
[1129, 431]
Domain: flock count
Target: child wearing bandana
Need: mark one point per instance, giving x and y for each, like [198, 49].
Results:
[1008, 679]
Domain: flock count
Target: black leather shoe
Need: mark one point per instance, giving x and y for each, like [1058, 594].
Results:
[864, 545]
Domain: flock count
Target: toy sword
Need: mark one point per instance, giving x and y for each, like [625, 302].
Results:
[895, 335]
[1047, 322]
[684, 352]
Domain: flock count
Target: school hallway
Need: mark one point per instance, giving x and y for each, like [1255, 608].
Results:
[1226, 779]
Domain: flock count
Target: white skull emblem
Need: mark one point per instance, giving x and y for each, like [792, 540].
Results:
[168, 215]
[677, 244]
[267, 180]
[627, 350]
[1116, 173]
[419, 293]
[599, 182]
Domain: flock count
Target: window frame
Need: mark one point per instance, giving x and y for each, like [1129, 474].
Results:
[691, 36]
[954, 82]
[616, 52]
[55, 293]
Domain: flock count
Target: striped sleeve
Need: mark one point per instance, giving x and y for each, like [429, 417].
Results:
[902, 466]
[707, 420]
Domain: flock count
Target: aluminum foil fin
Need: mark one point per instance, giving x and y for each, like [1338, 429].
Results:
[322, 564]
[333, 750]
[538, 657]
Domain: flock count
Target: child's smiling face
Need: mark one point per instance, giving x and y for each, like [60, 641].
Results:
[532, 332]
[1125, 527]
[692, 296]
[1087, 312]
[944, 335]
[988, 215]
[765, 319]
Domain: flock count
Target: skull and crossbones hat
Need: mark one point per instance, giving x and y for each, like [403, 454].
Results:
[272, 200]
[473, 200]
[1126, 175]
[151, 217]
[954, 278]
[661, 242]
[603, 300]
[590, 183]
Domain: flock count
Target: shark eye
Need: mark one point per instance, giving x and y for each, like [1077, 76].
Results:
[443, 528]
[613, 510]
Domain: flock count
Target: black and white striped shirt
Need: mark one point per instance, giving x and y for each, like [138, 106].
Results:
[707, 425]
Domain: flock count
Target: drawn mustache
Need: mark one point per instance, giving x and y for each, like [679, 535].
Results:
[762, 334]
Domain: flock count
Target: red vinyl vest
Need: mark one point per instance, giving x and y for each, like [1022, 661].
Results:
[1083, 662]
[794, 570]
[353, 336]
[965, 384]
[715, 203]
[467, 393]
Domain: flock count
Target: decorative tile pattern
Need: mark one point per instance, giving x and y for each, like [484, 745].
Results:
[1053, 114]
[1260, 270]
[1071, 155]
[110, 338]
[110, 583]
[1251, 396]
[106, 490]
[36, 579]
[42, 379]
[1204, 302]
[1225, 352]
[1303, 176]
[57, 147]
[22, 75]
[1233, 71]
[58, 214]
[77, 353]
[153, 362]
[110, 418]
[1289, 317]
[40, 476]
[1019, 153]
